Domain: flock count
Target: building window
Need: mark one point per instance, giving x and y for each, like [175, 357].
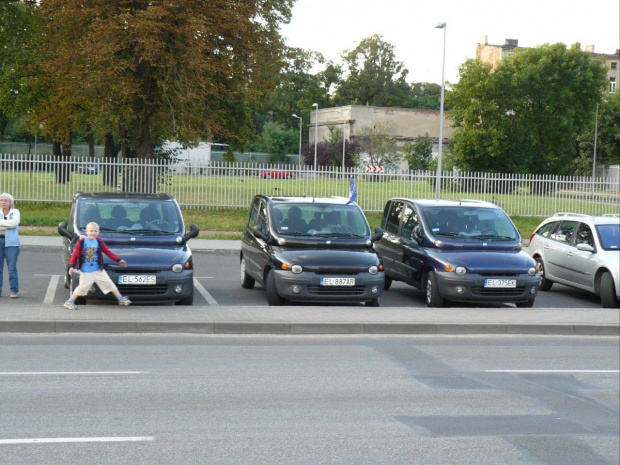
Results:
[614, 65]
[612, 85]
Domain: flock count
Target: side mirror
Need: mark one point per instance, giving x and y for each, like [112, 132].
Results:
[193, 232]
[585, 247]
[260, 234]
[418, 234]
[62, 230]
[377, 235]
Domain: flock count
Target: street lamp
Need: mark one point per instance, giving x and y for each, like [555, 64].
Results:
[443, 67]
[316, 131]
[300, 125]
[344, 140]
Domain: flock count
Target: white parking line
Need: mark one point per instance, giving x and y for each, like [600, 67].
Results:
[60, 440]
[19, 373]
[552, 371]
[51, 289]
[204, 293]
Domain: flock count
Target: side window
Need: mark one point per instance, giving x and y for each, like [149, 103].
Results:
[386, 212]
[253, 214]
[584, 235]
[410, 221]
[564, 232]
[545, 229]
[261, 220]
[393, 218]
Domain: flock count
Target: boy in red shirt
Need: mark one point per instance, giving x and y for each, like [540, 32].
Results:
[88, 257]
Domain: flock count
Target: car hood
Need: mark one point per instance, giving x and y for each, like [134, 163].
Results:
[334, 259]
[516, 261]
[149, 257]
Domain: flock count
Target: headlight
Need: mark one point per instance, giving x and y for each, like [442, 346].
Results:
[177, 267]
[531, 271]
[296, 269]
[373, 270]
[460, 270]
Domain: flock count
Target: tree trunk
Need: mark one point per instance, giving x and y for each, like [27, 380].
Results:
[63, 170]
[110, 167]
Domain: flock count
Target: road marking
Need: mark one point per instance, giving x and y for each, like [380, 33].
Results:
[552, 371]
[19, 373]
[51, 290]
[204, 293]
[59, 440]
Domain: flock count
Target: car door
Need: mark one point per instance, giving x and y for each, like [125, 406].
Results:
[581, 265]
[409, 262]
[389, 245]
[558, 250]
[254, 249]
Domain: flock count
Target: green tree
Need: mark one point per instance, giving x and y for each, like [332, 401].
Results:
[425, 95]
[278, 142]
[526, 115]
[377, 146]
[373, 75]
[419, 153]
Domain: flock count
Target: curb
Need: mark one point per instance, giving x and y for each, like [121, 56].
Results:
[241, 328]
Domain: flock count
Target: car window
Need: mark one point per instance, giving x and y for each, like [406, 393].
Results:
[253, 214]
[469, 222]
[584, 235]
[545, 229]
[564, 232]
[393, 218]
[609, 235]
[261, 221]
[319, 219]
[410, 221]
[126, 215]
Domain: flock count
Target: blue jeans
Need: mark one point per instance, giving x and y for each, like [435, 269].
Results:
[10, 254]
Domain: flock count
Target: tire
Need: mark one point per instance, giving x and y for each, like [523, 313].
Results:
[608, 291]
[268, 176]
[288, 176]
[387, 284]
[528, 304]
[81, 300]
[247, 282]
[67, 282]
[273, 298]
[189, 300]
[433, 299]
[545, 284]
[373, 303]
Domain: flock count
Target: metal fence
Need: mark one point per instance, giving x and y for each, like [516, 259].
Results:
[232, 185]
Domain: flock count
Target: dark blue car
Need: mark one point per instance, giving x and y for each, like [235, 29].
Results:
[459, 251]
[148, 232]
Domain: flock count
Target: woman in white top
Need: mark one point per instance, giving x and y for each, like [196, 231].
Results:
[9, 241]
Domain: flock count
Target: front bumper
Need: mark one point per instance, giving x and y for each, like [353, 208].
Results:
[309, 289]
[470, 288]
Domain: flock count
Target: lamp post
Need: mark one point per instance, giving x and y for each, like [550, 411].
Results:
[443, 67]
[316, 131]
[344, 139]
[594, 154]
[300, 126]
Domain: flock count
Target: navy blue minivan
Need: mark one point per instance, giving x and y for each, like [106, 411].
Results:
[459, 251]
[148, 232]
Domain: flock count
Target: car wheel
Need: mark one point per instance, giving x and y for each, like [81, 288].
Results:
[545, 284]
[247, 282]
[189, 300]
[608, 291]
[433, 299]
[268, 176]
[273, 298]
[387, 284]
[81, 300]
[288, 176]
[528, 304]
[67, 280]
[373, 303]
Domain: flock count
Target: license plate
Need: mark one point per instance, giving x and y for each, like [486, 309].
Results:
[136, 279]
[337, 281]
[500, 283]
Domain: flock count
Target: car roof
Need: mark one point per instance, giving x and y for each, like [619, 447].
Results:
[448, 203]
[306, 199]
[122, 196]
[609, 218]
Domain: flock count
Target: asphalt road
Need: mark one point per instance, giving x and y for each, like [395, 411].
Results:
[41, 282]
[111, 399]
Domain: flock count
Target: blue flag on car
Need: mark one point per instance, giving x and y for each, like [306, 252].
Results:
[352, 191]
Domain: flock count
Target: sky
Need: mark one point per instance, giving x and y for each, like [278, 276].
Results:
[333, 26]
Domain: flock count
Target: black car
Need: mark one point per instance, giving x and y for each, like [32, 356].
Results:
[148, 232]
[310, 249]
[462, 251]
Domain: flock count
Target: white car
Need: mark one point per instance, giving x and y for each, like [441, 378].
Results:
[581, 251]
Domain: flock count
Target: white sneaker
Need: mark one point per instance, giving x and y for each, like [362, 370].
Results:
[70, 305]
[124, 301]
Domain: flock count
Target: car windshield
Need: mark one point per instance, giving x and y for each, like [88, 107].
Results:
[319, 219]
[469, 222]
[609, 235]
[130, 217]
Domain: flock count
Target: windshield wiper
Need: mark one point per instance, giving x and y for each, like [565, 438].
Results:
[142, 231]
[484, 237]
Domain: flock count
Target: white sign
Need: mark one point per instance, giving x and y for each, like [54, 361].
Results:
[374, 169]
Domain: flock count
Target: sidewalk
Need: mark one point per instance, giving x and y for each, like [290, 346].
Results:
[298, 319]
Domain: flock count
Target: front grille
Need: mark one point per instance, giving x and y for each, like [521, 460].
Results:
[336, 290]
[498, 292]
[501, 275]
[142, 289]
